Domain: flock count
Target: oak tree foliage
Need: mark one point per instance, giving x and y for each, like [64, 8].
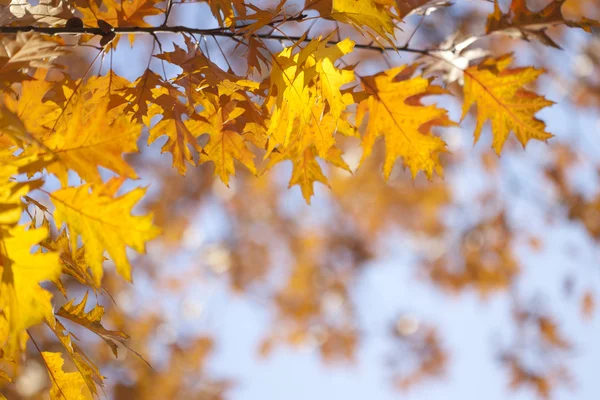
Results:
[262, 84]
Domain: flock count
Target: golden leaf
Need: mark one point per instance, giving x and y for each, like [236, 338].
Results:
[65, 385]
[23, 301]
[225, 143]
[84, 365]
[37, 115]
[119, 13]
[104, 224]
[396, 113]
[11, 191]
[369, 17]
[73, 260]
[306, 169]
[181, 136]
[92, 320]
[93, 137]
[500, 97]
[303, 86]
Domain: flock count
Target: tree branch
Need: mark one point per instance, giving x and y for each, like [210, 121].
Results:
[217, 32]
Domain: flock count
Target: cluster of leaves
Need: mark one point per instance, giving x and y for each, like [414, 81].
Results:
[296, 104]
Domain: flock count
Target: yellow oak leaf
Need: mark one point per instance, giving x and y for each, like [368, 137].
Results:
[370, 17]
[327, 78]
[304, 87]
[12, 130]
[116, 13]
[305, 172]
[37, 115]
[104, 223]
[181, 136]
[499, 95]
[321, 134]
[65, 385]
[23, 301]
[228, 88]
[73, 260]
[84, 365]
[91, 136]
[92, 320]
[134, 12]
[11, 191]
[10, 199]
[395, 112]
[305, 167]
[225, 143]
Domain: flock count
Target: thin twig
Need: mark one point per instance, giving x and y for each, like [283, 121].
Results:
[167, 12]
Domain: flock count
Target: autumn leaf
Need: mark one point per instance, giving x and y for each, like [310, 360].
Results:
[261, 17]
[25, 50]
[256, 55]
[92, 138]
[92, 320]
[306, 171]
[302, 85]
[139, 95]
[549, 332]
[225, 143]
[104, 224]
[72, 260]
[524, 23]
[588, 304]
[11, 191]
[182, 135]
[119, 13]
[395, 112]
[369, 17]
[199, 72]
[46, 12]
[500, 97]
[225, 10]
[23, 301]
[305, 167]
[407, 7]
[134, 12]
[88, 370]
[65, 385]
[37, 115]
